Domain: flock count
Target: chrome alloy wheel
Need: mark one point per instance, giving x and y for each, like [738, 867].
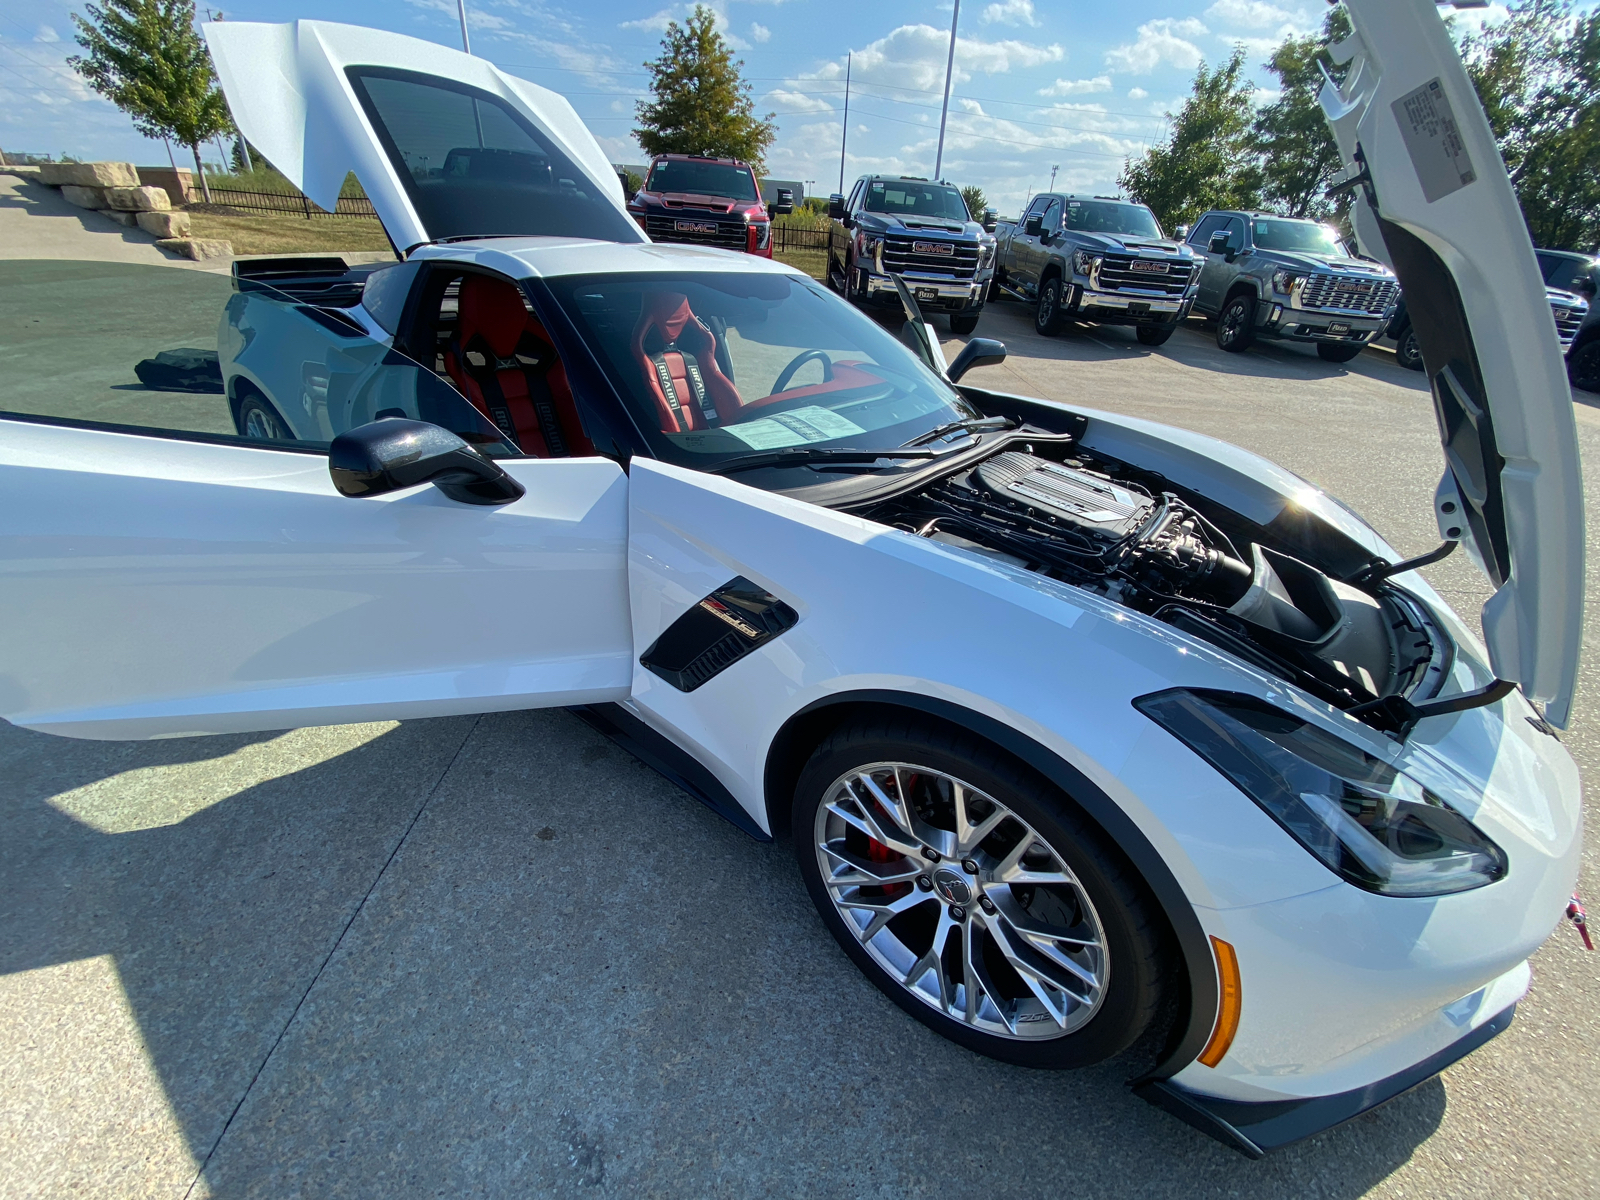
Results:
[961, 901]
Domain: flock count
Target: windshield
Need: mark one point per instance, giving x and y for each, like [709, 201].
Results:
[916, 199]
[714, 366]
[1306, 236]
[703, 179]
[1109, 216]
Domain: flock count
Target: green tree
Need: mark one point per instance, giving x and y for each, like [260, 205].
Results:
[1207, 160]
[147, 58]
[699, 103]
[976, 201]
[1538, 77]
[1295, 149]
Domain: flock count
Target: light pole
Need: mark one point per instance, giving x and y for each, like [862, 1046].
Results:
[844, 135]
[949, 66]
[461, 9]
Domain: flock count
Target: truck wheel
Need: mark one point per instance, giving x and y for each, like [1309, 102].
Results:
[1335, 353]
[1155, 335]
[1583, 368]
[258, 419]
[1236, 324]
[1047, 317]
[964, 322]
[1408, 354]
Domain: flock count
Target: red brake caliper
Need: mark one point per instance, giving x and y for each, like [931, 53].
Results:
[1576, 915]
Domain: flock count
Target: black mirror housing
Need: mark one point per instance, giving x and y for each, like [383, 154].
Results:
[785, 203]
[391, 454]
[836, 206]
[1218, 243]
[979, 352]
[1033, 225]
[990, 220]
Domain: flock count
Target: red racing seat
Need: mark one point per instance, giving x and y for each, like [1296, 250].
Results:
[502, 361]
[678, 356]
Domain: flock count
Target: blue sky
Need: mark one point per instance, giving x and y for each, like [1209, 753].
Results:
[1080, 85]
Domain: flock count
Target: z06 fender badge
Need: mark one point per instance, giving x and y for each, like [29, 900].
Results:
[732, 621]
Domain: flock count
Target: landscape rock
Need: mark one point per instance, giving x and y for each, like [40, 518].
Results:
[164, 224]
[83, 197]
[123, 218]
[138, 199]
[89, 175]
[21, 170]
[197, 248]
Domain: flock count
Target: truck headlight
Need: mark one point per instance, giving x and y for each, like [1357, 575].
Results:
[763, 234]
[1084, 263]
[985, 254]
[1282, 281]
[1369, 823]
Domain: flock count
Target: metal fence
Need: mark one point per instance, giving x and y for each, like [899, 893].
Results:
[293, 203]
[786, 238]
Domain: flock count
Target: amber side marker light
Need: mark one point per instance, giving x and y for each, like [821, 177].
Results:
[1227, 1006]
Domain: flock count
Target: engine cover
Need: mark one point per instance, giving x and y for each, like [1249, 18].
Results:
[1091, 502]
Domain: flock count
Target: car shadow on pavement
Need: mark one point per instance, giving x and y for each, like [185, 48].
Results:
[569, 976]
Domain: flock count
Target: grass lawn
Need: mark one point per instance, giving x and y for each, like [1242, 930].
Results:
[812, 262]
[260, 233]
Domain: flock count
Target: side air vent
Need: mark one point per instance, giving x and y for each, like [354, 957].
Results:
[732, 621]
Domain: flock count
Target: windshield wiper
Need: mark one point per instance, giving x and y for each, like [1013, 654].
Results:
[970, 425]
[794, 456]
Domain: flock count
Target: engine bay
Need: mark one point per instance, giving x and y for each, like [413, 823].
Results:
[1052, 507]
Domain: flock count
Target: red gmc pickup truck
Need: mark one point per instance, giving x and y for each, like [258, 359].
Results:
[706, 202]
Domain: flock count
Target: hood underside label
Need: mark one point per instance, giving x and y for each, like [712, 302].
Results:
[1433, 139]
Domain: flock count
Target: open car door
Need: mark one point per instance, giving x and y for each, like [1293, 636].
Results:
[1434, 202]
[446, 145]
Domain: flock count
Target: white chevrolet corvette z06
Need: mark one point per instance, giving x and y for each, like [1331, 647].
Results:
[1084, 728]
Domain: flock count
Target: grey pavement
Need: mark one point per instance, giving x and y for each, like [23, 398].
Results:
[35, 222]
[495, 956]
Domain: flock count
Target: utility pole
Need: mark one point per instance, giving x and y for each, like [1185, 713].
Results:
[1054, 167]
[949, 66]
[844, 136]
[461, 9]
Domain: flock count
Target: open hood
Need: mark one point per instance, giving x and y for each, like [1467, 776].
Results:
[1434, 202]
[445, 144]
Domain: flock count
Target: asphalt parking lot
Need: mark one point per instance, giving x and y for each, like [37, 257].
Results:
[496, 955]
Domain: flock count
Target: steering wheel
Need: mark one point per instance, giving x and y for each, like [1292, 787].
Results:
[799, 361]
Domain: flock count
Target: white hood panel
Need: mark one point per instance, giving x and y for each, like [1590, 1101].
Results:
[290, 96]
[1407, 109]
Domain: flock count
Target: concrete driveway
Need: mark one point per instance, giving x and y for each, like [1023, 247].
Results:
[493, 956]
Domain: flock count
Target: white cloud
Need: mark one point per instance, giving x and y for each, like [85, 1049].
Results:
[791, 101]
[913, 56]
[1077, 87]
[760, 32]
[1010, 12]
[1248, 14]
[1161, 41]
[1137, 93]
[652, 24]
[46, 35]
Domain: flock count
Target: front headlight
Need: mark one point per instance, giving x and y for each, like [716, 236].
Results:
[985, 254]
[763, 235]
[1369, 823]
[1282, 281]
[1084, 263]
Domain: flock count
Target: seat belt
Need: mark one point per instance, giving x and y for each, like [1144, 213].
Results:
[697, 383]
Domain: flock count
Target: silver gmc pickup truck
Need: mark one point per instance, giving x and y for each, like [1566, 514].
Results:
[1267, 276]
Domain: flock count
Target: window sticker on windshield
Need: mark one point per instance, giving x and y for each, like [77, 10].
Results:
[1433, 139]
[794, 428]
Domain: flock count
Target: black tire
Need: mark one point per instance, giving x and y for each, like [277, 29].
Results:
[1583, 366]
[1236, 324]
[993, 293]
[1155, 335]
[1407, 353]
[964, 323]
[1139, 964]
[1047, 315]
[256, 418]
[1337, 352]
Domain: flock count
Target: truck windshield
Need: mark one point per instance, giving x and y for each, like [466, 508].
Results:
[1110, 216]
[1305, 236]
[916, 199]
[717, 365]
[703, 179]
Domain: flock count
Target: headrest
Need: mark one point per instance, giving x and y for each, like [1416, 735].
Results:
[493, 308]
[667, 311]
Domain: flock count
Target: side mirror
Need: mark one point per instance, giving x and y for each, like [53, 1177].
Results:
[391, 454]
[1218, 244]
[1181, 233]
[979, 352]
[836, 206]
[917, 333]
[990, 219]
[785, 202]
[1033, 225]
